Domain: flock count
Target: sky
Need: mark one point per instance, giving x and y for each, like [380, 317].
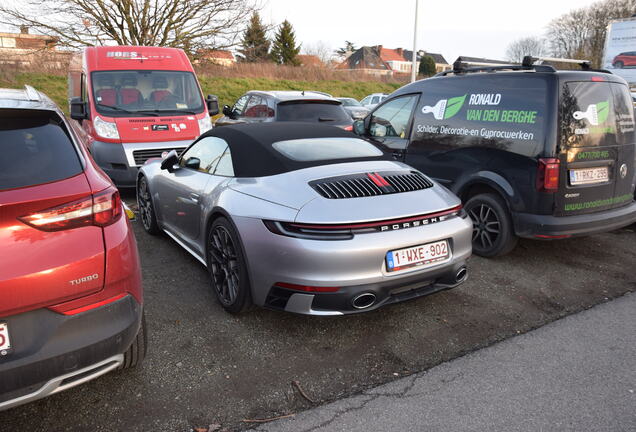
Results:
[476, 28]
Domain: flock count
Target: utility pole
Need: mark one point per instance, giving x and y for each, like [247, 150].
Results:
[414, 66]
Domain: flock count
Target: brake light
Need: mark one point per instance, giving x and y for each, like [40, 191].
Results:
[548, 174]
[348, 128]
[101, 209]
[598, 79]
[306, 288]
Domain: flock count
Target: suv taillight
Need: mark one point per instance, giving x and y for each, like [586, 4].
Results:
[548, 174]
[100, 209]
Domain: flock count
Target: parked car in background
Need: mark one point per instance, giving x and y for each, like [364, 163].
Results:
[136, 103]
[542, 154]
[71, 303]
[354, 108]
[284, 106]
[373, 100]
[305, 218]
[624, 59]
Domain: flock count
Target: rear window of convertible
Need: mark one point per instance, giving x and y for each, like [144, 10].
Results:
[35, 149]
[319, 149]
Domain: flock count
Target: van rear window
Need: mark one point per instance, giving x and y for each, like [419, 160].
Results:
[596, 114]
[35, 149]
[502, 112]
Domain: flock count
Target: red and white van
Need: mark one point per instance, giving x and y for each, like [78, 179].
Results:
[136, 103]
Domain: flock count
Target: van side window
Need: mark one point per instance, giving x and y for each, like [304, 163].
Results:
[497, 112]
[392, 118]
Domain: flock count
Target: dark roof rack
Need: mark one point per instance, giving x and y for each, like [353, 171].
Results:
[528, 63]
[460, 67]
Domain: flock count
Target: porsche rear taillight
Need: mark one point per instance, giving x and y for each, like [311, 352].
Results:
[100, 209]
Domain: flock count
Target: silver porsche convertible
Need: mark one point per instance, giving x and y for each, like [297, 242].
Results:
[305, 218]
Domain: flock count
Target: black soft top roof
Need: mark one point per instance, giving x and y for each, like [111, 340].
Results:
[253, 154]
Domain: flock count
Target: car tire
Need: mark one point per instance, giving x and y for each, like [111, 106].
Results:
[493, 233]
[619, 65]
[147, 213]
[227, 267]
[137, 350]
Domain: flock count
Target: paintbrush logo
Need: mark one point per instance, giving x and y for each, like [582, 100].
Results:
[595, 113]
[445, 108]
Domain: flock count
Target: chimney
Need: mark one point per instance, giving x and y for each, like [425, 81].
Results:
[399, 51]
[379, 49]
[24, 29]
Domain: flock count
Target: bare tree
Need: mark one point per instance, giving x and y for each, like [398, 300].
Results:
[187, 24]
[520, 48]
[581, 33]
[319, 49]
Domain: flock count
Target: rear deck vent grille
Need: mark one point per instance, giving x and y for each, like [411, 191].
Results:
[141, 156]
[370, 184]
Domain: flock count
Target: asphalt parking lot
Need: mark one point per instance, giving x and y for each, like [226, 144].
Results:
[205, 366]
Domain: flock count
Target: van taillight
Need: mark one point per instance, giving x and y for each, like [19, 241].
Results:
[100, 209]
[548, 174]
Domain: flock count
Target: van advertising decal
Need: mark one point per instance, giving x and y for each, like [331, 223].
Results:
[482, 108]
[595, 113]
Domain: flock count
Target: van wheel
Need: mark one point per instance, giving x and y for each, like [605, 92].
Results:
[146, 208]
[493, 234]
[619, 65]
[227, 266]
[137, 350]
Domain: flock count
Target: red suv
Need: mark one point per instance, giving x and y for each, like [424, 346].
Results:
[70, 284]
[624, 59]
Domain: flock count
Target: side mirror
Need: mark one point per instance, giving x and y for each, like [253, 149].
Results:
[79, 109]
[193, 163]
[213, 104]
[170, 161]
[227, 110]
[358, 127]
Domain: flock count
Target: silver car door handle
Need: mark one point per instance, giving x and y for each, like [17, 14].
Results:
[194, 197]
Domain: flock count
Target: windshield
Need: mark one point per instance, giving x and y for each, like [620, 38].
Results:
[312, 112]
[122, 93]
[349, 102]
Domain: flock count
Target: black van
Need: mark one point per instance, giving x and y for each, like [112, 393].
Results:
[531, 151]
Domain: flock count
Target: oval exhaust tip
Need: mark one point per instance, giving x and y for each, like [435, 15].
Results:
[461, 274]
[363, 301]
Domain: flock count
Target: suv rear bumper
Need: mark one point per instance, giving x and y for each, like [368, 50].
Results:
[53, 352]
[531, 225]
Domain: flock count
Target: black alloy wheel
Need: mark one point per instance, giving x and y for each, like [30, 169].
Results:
[146, 208]
[492, 226]
[227, 266]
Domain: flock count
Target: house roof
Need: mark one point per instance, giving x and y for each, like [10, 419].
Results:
[216, 54]
[438, 58]
[388, 54]
[309, 60]
[364, 58]
[467, 59]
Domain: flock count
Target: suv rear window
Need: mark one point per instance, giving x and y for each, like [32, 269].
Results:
[35, 149]
[311, 111]
[596, 114]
